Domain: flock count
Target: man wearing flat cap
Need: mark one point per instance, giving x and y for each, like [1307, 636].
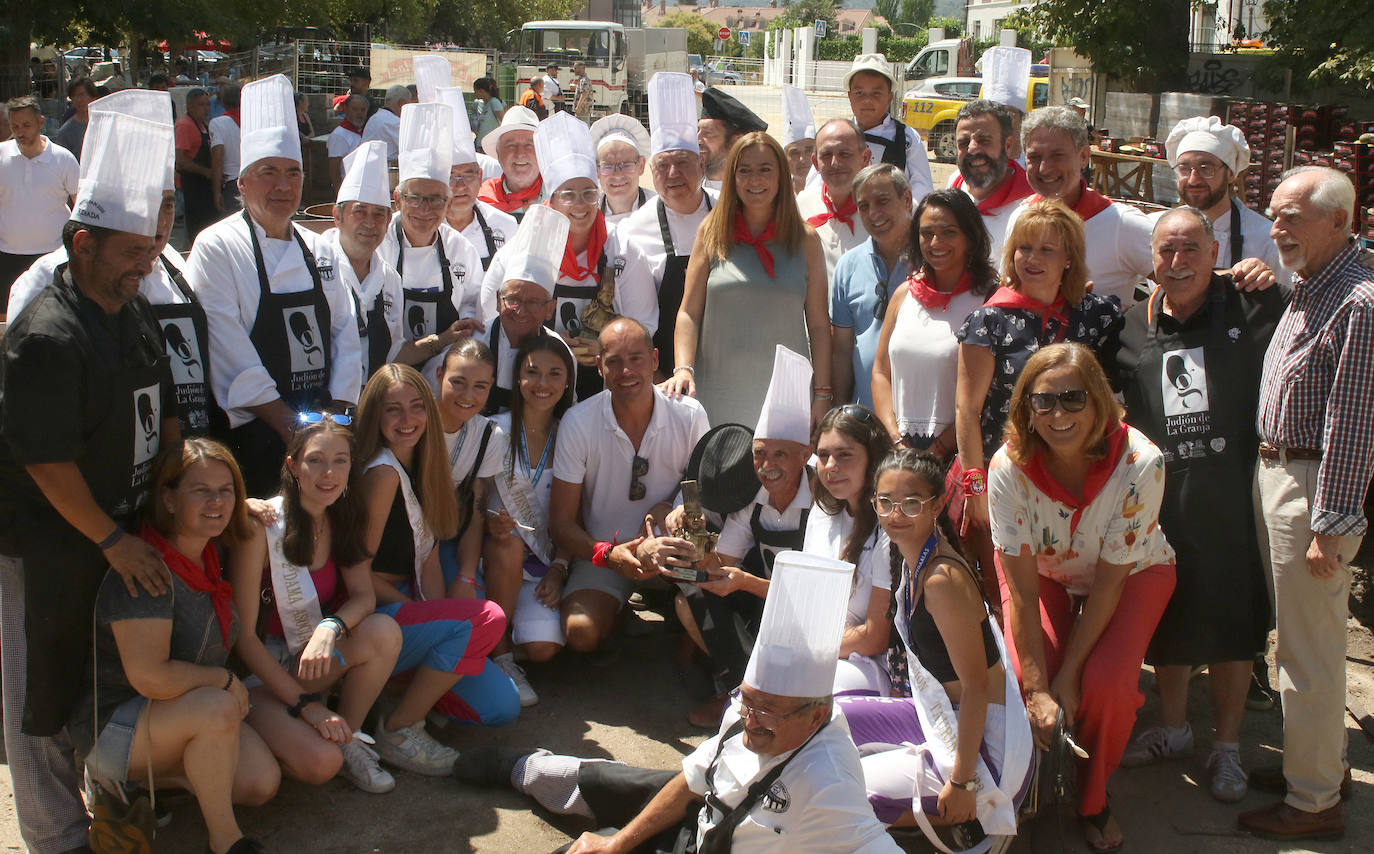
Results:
[723, 120]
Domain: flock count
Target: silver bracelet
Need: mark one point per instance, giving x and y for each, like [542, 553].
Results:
[688, 368]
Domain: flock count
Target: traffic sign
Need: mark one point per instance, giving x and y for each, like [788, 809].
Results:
[744, 38]
[820, 28]
[723, 34]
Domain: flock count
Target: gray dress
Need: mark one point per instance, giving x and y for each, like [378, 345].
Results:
[747, 313]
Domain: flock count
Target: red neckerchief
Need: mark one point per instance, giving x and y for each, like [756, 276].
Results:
[234, 114]
[1098, 474]
[925, 293]
[742, 235]
[1005, 297]
[596, 242]
[1090, 202]
[1013, 188]
[347, 125]
[202, 581]
[845, 213]
[494, 193]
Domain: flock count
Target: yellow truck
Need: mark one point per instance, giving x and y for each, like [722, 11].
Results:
[930, 108]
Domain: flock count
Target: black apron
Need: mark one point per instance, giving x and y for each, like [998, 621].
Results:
[639, 203]
[670, 290]
[1237, 239]
[186, 335]
[589, 382]
[768, 543]
[426, 312]
[373, 333]
[62, 568]
[894, 150]
[488, 236]
[292, 337]
[1193, 390]
[197, 189]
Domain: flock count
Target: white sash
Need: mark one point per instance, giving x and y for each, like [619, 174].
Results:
[424, 540]
[524, 506]
[940, 725]
[298, 604]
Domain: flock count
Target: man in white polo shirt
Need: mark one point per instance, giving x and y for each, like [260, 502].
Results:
[37, 182]
[621, 455]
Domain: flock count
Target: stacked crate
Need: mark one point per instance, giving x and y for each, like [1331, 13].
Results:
[1353, 157]
[1267, 128]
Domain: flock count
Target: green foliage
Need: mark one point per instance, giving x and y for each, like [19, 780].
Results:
[700, 33]
[954, 27]
[1145, 44]
[806, 13]
[1323, 41]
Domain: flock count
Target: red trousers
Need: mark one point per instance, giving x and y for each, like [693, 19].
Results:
[1109, 692]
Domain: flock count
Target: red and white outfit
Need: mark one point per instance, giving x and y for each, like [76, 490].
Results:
[838, 226]
[997, 207]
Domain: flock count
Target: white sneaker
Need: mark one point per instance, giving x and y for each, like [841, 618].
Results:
[360, 767]
[1229, 780]
[410, 748]
[1156, 743]
[517, 675]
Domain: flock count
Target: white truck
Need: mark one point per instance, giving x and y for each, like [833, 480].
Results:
[619, 60]
[942, 57]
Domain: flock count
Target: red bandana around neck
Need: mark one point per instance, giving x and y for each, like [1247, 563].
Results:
[347, 125]
[844, 213]
[207, 580]
[596, 243]
[742, 235]
[1005, 297]
[1099, 473]
[1013, 188]
[1090, 202]
[494, 193]
[922, 289]
[234, 114]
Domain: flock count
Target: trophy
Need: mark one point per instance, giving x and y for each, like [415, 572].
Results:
[598, 313]
[693, 531]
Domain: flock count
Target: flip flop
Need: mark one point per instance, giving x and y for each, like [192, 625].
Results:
[1098, 822]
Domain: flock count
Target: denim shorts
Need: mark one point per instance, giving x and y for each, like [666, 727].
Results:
[109, 760]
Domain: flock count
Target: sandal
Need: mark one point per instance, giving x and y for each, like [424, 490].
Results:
[1098, 823]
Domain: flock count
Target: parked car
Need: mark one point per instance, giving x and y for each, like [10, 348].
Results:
[716, 76]
[966, 88]
[90, 55]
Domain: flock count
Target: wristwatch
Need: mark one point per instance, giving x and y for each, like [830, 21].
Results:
[302, 702]
[970, 786]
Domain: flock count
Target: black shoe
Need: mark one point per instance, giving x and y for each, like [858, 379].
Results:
[1261, 697]
[489, 764]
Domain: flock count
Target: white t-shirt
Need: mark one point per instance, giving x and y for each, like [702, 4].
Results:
[1120, 525]
[737, 535]
[342, 141]
[224, 131]
[1118, 249]
[33, 197]
[923, 355]
[542, 491]
[818, 805]
[502, 226]
[386, 126]
[381, 278]
[594, 451]
[826, 536]
[157, 287]
[642, 230]
[463, 443]
[836, 237]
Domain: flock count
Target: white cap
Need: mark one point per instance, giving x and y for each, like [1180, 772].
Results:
[148, 104]
[1207, 134]
[365, 177]
[798, 644]
[622, 128]
[426, 142]
[536, 251]
[874, 62]
[1006, 76]
[123, 160]
[672, 113]
[797, 122]
[516, 118]
[431, 72]
[464, 148]
[787, 406]
[268, 122]
[563, 147]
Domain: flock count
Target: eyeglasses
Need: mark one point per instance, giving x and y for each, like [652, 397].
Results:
[911, 506]
[459, 178]
[414, 200]
[768, 719]
[1073, 400]
[589, 196]
[516, 304]
[665, 163]
[316, 417]
[625, 166]
[859, 413]
[1205, 171]
[639, 467]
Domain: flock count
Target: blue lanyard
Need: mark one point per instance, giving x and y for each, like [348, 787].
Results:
[907, 596]
[538, 472]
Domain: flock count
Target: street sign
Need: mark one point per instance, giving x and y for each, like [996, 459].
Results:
[723, 34]
[820, 28]
[744, 38]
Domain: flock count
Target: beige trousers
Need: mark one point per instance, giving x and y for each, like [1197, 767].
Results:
[1311, 616]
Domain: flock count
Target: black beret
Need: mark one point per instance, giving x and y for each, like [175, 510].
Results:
[716, 104]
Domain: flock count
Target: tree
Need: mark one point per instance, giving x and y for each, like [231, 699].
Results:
[917, 12]
[1145, 44]
[1323, 40]
[806, 13]
[700, 33]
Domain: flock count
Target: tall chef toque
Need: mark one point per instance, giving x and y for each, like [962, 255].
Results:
[787, 406]
[798, 644]
[563, 147]
[1209, 135]
[672, 113]
[268, 123]
[1006, 76]
[536, 251]
[365, 178]
[464, 149]
[431, 72]
[123, 165]
[426, 142]
[150, 105]
[797, 123]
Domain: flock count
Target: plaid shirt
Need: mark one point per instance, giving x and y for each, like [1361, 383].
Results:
[1318, 386]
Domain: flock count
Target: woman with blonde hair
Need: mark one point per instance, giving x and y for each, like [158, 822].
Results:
[411, 506]
[1085, 568]
[756, 271]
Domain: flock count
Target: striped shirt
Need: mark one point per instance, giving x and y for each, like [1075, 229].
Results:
[1317, 391]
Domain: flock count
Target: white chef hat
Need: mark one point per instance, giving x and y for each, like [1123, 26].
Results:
[426, 142]
[798, 644]
[620, 127]
[268, 122]
[431, 72]
[536, 251]
[563, 147]
[797, 123]
[672, 113]
[464, 147]
[123, 161]
[787, 406]
[1006, 76]
[149, 104]
[365, 175]
[1208, 134]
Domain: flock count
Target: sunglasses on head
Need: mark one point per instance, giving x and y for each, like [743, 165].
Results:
[1072, 400]
[316, 417]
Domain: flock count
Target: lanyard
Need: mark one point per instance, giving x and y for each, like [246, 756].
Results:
[538, 472]
[458, 446]
[907, 595]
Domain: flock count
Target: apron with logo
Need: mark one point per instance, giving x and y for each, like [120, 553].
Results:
[425, 312]
[186, 334]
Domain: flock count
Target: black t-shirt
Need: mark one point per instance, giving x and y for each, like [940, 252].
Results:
[396, 551]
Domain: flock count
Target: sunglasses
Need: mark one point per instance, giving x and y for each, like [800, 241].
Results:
[1073, 400]
[859, 413]
[639, 467]
[910, 506]
[316, 417]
